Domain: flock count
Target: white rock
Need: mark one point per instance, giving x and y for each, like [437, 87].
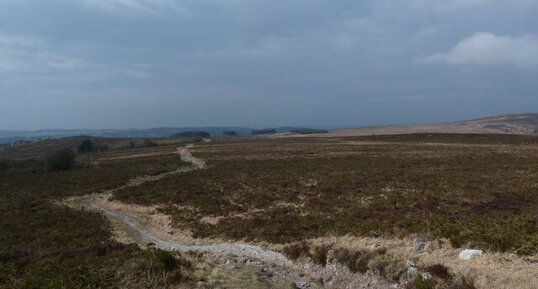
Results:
[419, 245]
[411, 272]
[409, 263]
[469, 254]
[426, 276]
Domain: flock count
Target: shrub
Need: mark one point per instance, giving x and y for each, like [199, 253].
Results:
[229, 133]
[168, 260]
[13, 167]
[149, 144]
[103, 148]
[320, 254]
[356, 261]
[463, 283]
[264, 131]
[62, 160]
[194, 133]
[309, 131]
[440, 271]
[4, 164]
[86, 147]
[421, 283]
[297, 250]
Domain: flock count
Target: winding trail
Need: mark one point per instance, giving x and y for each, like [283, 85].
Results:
[255, 255]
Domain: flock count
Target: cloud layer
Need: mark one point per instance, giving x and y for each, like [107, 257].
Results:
[142, 63]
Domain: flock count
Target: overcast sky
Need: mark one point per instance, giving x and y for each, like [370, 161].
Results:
[148, 63]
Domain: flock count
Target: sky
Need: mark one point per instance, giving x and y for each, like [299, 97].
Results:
[256, 63]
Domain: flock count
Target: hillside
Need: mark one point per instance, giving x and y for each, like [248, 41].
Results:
[502, 124]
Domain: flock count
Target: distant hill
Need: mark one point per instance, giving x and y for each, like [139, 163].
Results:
[526, 123]
[8, 136]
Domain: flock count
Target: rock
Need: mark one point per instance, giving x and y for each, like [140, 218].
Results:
[268, 272]
[469, 254]
[411, 272]
[411, 269]
[419, 245]
[426, 276]
[409, 263]
[302, 285]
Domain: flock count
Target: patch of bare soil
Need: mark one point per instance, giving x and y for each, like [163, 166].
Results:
[158, 224]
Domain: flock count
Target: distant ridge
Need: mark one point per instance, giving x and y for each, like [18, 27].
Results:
[524, 123]
[9, 136]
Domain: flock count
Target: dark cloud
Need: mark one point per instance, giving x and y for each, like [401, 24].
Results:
[142, 63]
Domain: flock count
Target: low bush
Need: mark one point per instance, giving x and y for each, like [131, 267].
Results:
[149, 144]
[86, 146]
[194, 133]
[264, 131]
[321, 254]
[463, 283]
[13, 167]
[309, 131]
[356, 261]
[421, 283]
[439, 271]
[229, 133]
[297, 250]
[4, 164]
[61, 160]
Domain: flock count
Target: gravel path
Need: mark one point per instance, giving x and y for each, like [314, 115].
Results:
[256, 256]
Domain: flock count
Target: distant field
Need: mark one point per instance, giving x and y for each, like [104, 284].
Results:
[113, 145]
[477, 190]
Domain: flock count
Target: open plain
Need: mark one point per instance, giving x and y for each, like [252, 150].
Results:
[342, 212]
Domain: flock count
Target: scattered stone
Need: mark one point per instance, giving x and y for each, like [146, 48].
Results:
[411, 272]
[419, 245]
[268, 272]
[469, 254]
[411, 269]
[302, 285]
[426, 276]
[409, 263]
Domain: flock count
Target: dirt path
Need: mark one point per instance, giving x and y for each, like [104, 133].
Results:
[130, 224]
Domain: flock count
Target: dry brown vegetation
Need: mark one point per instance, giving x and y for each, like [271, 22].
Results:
[475, 190]
[470, 190]
[44, 245]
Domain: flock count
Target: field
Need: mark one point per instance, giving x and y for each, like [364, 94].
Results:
[471, 191]
[357, 201]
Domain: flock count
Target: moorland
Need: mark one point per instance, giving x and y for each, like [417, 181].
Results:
[358, 202]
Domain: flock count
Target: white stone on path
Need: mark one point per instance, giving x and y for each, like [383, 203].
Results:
[469, 254]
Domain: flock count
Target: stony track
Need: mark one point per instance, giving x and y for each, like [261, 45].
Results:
[254, 255]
